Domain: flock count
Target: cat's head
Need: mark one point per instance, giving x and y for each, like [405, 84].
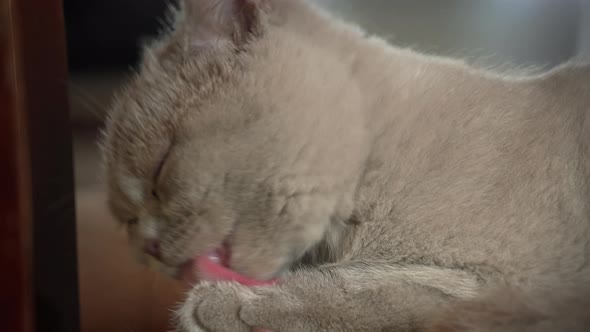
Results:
[238, 130]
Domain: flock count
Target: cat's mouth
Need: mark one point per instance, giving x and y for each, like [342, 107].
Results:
[214, 266]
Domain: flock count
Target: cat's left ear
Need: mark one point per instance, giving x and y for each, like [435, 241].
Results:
[212, 22]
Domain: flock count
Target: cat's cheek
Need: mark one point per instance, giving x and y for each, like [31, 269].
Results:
[260, 262]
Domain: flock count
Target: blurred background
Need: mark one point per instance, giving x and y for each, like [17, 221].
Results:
[117, 294]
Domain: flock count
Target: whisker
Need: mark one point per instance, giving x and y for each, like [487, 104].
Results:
[89, 102]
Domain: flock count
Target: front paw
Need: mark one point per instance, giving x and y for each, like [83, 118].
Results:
[214, 307]
[231, 307]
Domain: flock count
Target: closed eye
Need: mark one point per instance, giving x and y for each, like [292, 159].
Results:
[161, 166]
[159, 171]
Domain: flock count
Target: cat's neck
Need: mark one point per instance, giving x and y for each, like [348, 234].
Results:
[387, 78]
[393, 83]
[390, 79]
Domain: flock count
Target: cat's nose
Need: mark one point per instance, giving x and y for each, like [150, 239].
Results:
[152, 248]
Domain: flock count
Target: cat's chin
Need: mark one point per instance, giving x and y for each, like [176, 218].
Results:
[213, 266]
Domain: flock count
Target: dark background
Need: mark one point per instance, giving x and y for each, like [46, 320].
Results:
[106, 33]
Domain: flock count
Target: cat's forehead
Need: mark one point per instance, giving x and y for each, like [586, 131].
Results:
[178, 91]
[157, 108]
[140, 126]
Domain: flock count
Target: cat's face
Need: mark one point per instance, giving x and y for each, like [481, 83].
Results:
[235, 134]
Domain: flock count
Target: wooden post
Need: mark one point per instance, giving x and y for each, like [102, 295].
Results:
[38, 262]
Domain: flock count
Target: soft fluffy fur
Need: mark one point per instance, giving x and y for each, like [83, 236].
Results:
[507, 309]
[389, 183]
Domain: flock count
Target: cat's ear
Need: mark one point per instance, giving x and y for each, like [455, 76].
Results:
[214, 22]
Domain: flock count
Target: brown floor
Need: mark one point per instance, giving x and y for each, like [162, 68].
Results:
[116, 293]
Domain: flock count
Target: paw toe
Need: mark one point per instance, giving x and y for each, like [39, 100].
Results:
[213, 308]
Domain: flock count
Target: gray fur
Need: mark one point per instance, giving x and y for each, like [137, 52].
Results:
[391, 183]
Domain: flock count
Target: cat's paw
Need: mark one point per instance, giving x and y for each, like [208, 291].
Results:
[214, 307]
[217, 307]
[231, 307]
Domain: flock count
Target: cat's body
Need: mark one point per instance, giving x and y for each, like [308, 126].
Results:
[508, 309]
[406, 182]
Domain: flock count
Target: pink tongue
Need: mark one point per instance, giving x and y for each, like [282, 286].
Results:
[212, 267]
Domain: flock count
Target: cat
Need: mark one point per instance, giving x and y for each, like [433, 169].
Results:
[382, 186]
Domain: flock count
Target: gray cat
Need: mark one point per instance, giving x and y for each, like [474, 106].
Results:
[389, 190]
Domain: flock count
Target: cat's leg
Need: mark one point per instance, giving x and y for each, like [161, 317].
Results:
[355, 297]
